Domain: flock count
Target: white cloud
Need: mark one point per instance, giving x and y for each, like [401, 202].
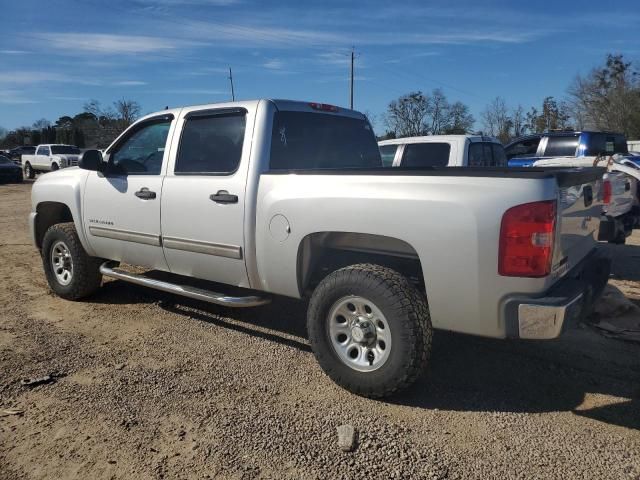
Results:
[129, 83]
[14, 52]
[15, 97]
[24, 77]
[273, 64]
[93, 43]
[195, 91]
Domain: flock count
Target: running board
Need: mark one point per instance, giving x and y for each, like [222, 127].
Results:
[108, 270]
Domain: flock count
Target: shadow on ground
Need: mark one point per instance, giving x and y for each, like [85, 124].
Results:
[466, 373]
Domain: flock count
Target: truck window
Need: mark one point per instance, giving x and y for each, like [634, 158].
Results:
[426, 155]
[499, 156]
[309, 141]
[606, 144]
[524, 148]
[142, 151]
[388, 153]
[65, 150]
[561, 146]
[211, 144]
[43, 151]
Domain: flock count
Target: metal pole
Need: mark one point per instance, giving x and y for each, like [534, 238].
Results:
[351, 90]
[233, 95]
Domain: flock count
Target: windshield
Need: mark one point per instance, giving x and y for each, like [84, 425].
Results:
[64, 150]
[306, 141]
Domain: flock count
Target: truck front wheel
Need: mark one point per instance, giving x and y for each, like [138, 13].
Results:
[71, 273]
[28, 171]
[370, 329]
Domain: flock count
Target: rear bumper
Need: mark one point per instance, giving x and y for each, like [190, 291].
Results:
[547, 316]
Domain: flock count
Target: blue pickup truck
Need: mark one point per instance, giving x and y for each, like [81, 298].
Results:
[524, 151]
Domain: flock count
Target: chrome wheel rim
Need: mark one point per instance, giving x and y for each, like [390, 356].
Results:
[359, 333]
[62, 263]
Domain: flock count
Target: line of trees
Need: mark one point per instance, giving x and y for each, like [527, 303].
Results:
[95, 127]
[607, 98]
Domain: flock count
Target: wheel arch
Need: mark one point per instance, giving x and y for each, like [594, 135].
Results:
[48, 214]
[321, 253]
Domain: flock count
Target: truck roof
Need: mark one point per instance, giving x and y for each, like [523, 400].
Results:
[281, 104]
[438, 138]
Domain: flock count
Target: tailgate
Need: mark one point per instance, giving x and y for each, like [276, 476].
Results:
[579, 209]
[623, 188]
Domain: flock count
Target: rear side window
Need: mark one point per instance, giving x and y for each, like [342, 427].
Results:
[388, 153]
[211, 144]
[43, 151]
[309, 141]
[561, 146]
[606, 144]
[426, 155]
[524, 148]
[486, 154]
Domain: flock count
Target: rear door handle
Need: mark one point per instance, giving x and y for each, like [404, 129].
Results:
[223, 197]
[627, 187]
[145, 194]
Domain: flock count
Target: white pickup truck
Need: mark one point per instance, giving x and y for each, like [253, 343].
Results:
[443, 151]
[49, 158]
[290, 198]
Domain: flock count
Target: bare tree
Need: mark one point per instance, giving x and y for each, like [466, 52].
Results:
[460, 120]
[496, 120]
[41, 124]
[127, 111]
[438, 112]
[406, 116]
[608, 98]
[519, 121]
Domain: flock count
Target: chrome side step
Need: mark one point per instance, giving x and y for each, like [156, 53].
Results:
[108, 270]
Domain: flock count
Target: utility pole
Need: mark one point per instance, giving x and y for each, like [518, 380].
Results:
[233, 95]
[351, 89]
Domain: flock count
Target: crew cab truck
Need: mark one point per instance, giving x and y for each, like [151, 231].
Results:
[49, 158]
[525, 151]
[443, 151]
[290, 198]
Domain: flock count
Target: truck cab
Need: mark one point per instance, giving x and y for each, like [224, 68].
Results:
[525, 151]
[443, 151]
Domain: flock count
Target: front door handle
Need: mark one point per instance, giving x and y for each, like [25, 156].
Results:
[223, 197]
[145, 194]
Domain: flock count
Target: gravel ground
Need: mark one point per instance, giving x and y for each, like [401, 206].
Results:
[151, 386]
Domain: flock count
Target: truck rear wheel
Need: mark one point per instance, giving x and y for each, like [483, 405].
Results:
[370, 329]
[71, 273]
[28, 171]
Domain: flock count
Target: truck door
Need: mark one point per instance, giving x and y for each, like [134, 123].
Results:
[122, 205]
[203, 198]
[41, 158]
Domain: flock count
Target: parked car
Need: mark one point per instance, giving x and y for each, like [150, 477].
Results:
[15, 154]
[621, 209]
[9, 171]
[50, 157]
[443, 151]
[290, 198]
[524, 151]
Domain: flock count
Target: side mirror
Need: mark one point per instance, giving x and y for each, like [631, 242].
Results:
[91, 160]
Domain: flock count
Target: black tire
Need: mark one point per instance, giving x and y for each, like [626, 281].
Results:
[406, 312]
[85, 278]
[28, 171]
[54, 167]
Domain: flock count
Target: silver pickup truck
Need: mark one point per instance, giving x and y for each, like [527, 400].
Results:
[289, 198]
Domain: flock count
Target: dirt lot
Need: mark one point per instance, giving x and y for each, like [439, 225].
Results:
[151, 386]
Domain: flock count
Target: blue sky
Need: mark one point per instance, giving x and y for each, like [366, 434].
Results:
[57, 54]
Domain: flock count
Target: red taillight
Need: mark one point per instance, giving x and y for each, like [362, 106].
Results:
[526, 240]
[325, 107]
[606, 192]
